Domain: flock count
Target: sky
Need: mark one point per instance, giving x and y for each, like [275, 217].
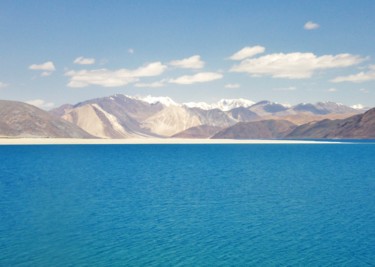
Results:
[57, 52]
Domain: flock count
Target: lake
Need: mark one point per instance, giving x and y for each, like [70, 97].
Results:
[187, 205]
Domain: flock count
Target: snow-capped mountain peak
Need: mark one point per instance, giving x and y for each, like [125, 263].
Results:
[358, 106]
[223, 104]
[201, 105]
[228, 104]
[164, 100]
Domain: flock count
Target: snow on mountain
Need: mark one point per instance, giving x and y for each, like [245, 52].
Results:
[358, 106]
[165, 100]
[122, 116]
[228, 104]
[264, 108]
[201, 105]
[223, 104]
[287, 105]
[332, 107]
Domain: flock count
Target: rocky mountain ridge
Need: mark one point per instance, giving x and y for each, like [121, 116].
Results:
[19, 119]
[122, 116]
[361, 126]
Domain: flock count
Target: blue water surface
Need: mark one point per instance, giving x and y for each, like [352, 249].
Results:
[187, 205]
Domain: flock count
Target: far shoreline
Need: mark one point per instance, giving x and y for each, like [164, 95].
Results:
[150, 141]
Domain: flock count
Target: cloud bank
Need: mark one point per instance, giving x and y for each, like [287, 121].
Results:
[47, 68]
[157, 84]
[360, 77]
[311, 26]
[84, 61]
[113, 78]
[197, 78]
[193, 62]
[294, 65]
[246, 52]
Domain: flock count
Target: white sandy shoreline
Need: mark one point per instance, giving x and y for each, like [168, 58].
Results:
[74, 141]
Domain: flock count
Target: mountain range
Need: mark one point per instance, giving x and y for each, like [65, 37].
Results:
[122, 116]
[19, 119]
[360, 126]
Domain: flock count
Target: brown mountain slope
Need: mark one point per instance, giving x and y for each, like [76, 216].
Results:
[23, 120]
[202, 131]
[258, 129]
[305, 117]
[360, 126]
[100, 123]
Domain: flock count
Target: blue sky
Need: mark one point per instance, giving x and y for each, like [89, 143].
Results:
[56, 52]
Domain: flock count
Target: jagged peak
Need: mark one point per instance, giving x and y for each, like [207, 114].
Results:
[360, 107]
[267, 102]
[263, 102]
[222, 104]
[329, 103]
[201, 105]
[228, 104]
[164, 100]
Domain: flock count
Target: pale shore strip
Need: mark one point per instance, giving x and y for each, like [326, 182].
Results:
[73, 141]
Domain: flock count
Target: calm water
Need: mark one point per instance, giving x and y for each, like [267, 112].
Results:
[187, 205]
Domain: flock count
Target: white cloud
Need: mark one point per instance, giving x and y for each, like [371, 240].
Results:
[3, 85]
[113, 78]
[360, 77]
[149, 70]
[157, 84]
[294, 65]
[363, 90]
[232, 85]
[247, 52]
[40, 103]
[193, 62]
[131, 51]
[197, 78]
[101, 77]
[84, 61]
[311, 25]
[45, 73]
[46, 66]
[332, 90]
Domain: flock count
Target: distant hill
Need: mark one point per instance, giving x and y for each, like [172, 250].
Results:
[121, 116]
[243, 114]
[203, 131]
[265, 107]
[360, 126]
[323, 108]
[267, 129]
[19, 119]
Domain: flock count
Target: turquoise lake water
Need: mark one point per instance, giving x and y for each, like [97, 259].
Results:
[187, 205]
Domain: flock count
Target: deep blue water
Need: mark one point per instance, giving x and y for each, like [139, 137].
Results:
[187, 205]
